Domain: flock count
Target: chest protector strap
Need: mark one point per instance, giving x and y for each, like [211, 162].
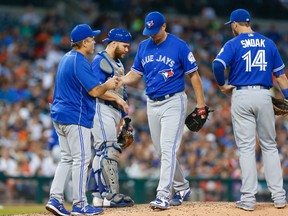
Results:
[106, 64]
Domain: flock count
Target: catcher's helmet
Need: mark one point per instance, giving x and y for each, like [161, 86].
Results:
[118, 34]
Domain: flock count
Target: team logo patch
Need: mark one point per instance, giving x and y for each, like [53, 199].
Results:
[191, 58]
[167, 73]
[150, 24]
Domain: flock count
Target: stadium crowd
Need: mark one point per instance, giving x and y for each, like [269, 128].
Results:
[31, 46]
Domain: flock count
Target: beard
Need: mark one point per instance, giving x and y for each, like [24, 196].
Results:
[118, 53]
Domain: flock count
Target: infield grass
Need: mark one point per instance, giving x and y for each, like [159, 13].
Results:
[24, 209]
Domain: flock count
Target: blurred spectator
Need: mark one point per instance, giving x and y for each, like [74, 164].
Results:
[31, 46]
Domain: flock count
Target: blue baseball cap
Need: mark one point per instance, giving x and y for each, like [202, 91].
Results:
[153, 23]
[82, 31]
[239, 15]
[118, 34]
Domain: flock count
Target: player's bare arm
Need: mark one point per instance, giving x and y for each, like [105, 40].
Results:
[226, 89]
[110, 96]
[130, 78]
[282, 81]
[198, 89]
[110, 84]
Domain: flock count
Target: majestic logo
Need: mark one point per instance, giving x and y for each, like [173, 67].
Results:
[166, 73]
[150, 24]
[222, 49]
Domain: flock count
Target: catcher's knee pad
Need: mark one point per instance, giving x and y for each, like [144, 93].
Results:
[109, 165]
[96, 182]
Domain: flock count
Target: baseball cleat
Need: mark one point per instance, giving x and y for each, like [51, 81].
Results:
[86, 210]
[118, 200]
[179, 196]
[245, 206]
[160, 203]
[97, 201]
[280, 204]
[57, 208]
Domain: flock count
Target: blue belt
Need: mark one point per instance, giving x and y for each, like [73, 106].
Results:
[252, 87]
[163, 97]
[113, 105]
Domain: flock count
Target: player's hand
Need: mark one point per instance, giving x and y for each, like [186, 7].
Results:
[121, 82]
[123, 104]
[112, 83]
[227, 89]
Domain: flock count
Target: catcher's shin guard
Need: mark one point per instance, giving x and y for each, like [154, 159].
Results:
[109, 164]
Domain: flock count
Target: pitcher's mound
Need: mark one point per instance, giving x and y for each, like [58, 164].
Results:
[198, 208]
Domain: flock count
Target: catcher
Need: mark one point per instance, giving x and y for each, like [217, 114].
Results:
[111, 109]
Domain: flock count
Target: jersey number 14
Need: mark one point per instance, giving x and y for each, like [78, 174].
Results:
[258, 61]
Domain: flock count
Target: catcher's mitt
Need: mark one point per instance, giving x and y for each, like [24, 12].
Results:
[280, 106]
[197, 118]
[125, 137]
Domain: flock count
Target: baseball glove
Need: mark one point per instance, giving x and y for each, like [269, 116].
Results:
[280, 106]
[197, 118]
[125, 137]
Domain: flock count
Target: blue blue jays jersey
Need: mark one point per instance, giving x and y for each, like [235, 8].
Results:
[252, 58]
[164, 65]
[71, 102]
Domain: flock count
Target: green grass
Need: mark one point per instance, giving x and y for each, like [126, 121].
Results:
[23, 209]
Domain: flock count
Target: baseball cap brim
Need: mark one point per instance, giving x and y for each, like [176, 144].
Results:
[149, 32]
[96, 32]
[106, 40]
[229, 22]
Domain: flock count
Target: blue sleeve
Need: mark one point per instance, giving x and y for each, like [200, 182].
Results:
[218, 71]
[278, 73]
[85, 74]
[188, 60]
[278, 67]
[137, 65]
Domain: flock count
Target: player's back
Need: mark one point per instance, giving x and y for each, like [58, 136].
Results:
[252, 59]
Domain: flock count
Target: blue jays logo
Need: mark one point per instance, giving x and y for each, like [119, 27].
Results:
[166, 73]
[150, 24]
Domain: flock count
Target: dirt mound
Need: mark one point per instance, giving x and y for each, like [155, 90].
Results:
[193, 209]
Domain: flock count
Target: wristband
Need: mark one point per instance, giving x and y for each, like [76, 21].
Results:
[285, 93]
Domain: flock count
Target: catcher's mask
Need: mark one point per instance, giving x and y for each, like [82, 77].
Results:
[118, 34]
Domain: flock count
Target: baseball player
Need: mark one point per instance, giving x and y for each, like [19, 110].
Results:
[164, 60]
[110, 109]
[252, 59]
[72, 112]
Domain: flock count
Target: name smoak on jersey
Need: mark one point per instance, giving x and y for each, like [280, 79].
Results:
[150, 58]
[253, 43]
